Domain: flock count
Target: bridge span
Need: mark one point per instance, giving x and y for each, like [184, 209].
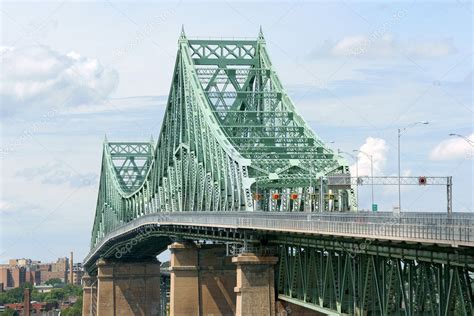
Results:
[329, 245]
[242, 192]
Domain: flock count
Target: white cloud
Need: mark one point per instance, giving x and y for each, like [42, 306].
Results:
[454, 148]
[361, 45]
[57, 174]
[386, 45]
[5, 49]
[8, 208]
[347, 45]
[39, 77]
[5, 206]
[377, 148]
[121, 104]
[431, 49]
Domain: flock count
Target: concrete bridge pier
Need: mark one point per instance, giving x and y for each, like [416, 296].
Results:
[128, 288]
[202, 280]
[255, 288]
[205, 281]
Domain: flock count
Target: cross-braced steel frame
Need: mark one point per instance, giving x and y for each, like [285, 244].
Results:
[360, 284]
[232, 141]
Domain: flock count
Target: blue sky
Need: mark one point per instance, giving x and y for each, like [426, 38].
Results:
[73, 72]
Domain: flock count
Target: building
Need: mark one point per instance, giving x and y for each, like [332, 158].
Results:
[19, 271]
[33, 276]
[36, 307]
[60, 265]
[44, 288]
[4, 277]
[56, 270]
[12, 276]
[78, 273]
[48, 275]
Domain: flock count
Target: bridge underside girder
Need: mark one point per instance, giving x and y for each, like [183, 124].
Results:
[354, 283]
[333, 273]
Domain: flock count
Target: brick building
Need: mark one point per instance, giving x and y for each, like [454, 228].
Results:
[78, 273]
[12, 276]
[19, 271]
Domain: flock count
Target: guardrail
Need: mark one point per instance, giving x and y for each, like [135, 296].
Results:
[426, 226]
[455, 229]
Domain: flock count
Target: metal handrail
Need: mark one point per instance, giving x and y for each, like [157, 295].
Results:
[428, 228]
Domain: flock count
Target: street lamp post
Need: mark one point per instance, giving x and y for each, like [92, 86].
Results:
[371, 171]
[470, 142]
[400, 131]
[357, 174]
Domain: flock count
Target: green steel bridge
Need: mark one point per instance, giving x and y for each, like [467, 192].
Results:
[235, 163]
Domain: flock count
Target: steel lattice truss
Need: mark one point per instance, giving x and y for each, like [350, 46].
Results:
[231, 140]
[356, 283]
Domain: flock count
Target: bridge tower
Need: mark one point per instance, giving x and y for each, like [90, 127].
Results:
[236, 163]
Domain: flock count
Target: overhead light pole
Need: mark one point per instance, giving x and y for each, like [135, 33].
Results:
[357, 174]
[400, 131]
[470, 142]
[371, 172]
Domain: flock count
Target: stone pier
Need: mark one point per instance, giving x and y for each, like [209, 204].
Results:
[202, 280]
[255, 289]
[128, 288]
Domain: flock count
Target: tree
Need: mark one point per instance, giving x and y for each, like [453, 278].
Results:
[72, 290]
[37, 296]
[10, 312]
[74, 310]
[53, 281]
[54, 296]
[14, 295]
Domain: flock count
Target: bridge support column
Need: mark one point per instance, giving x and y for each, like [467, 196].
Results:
[89, 295]
[128, 288]
[202, 280]
[255, 290]
[184, 287]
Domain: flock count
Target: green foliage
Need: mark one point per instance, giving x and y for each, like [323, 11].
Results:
[53, 282]
[10, 312]
[14, 295]
[37, 296]
[73, 290]
[74, 310]
[56, 295]
[11, 296]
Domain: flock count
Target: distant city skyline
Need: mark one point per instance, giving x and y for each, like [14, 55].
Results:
[73, 73]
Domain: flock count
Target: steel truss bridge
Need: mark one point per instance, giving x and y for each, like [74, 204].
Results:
[235, 163]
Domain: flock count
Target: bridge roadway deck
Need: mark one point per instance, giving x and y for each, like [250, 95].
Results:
[456, 230]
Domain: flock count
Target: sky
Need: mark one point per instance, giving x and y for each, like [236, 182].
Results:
[75, 72]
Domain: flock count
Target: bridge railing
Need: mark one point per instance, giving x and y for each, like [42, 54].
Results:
[421, 226]
[455, 229]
